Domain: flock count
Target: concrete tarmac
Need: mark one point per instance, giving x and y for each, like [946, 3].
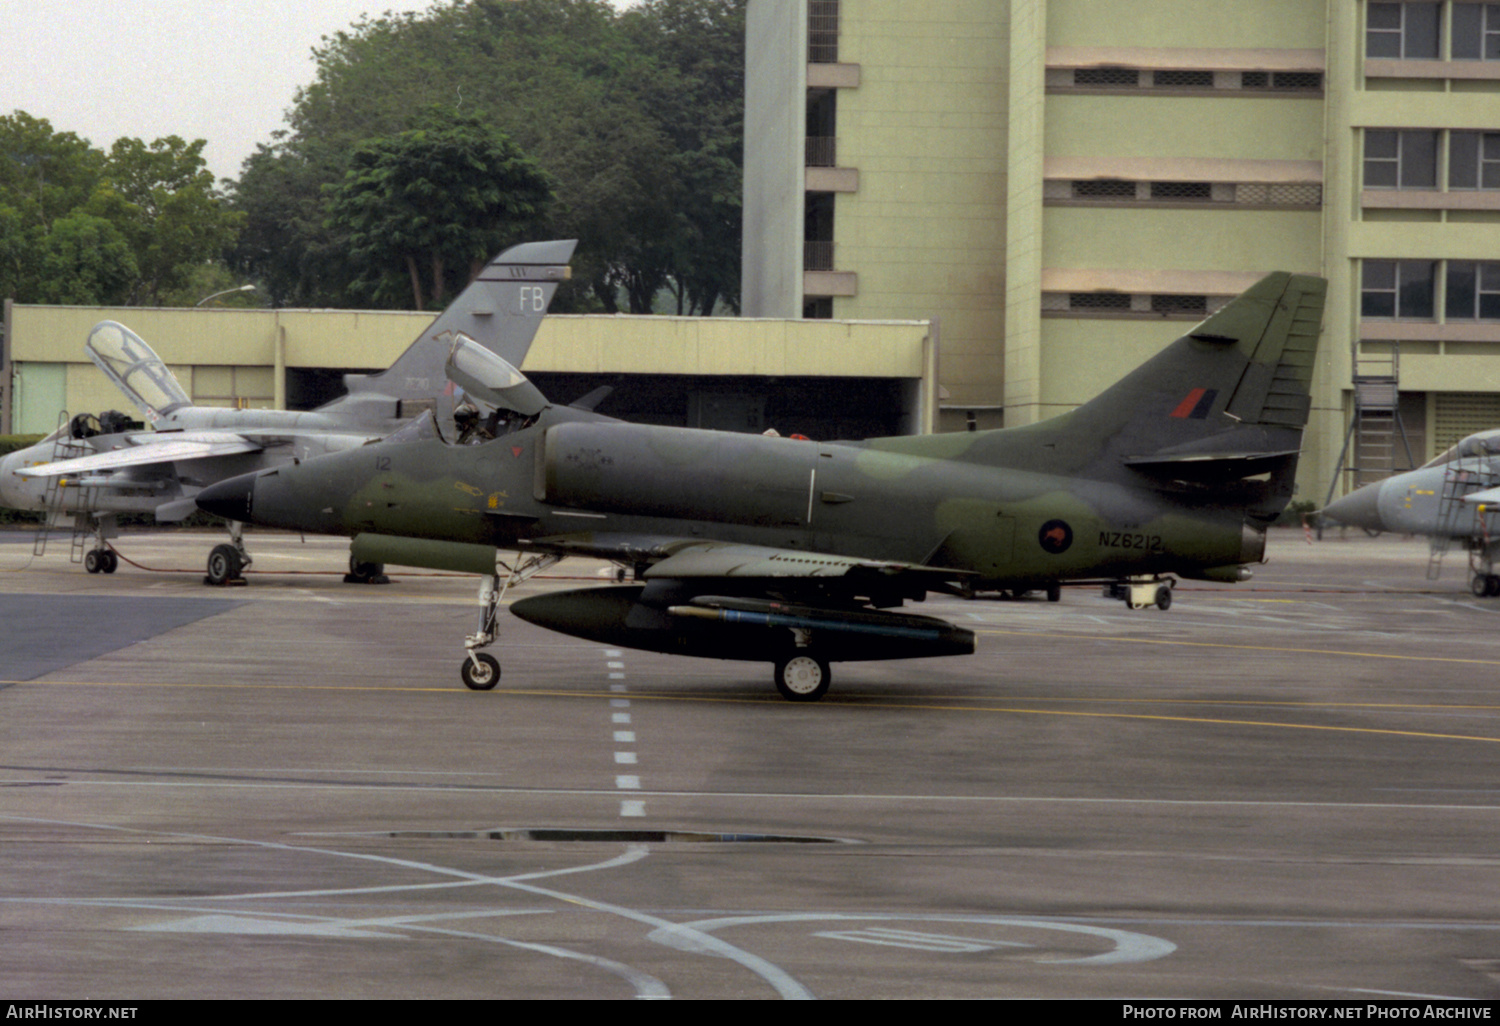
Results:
[1283, 789]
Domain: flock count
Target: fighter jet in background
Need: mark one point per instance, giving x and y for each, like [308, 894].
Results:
[96, 468]
[1454, 497]
[799, 553]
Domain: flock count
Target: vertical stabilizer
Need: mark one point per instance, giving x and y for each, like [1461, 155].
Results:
[1222, 405]
[501, 310]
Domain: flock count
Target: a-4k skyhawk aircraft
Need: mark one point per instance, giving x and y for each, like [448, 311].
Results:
[94, 468]
[797, 552]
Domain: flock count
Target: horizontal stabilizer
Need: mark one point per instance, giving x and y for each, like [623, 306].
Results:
[1210, 466]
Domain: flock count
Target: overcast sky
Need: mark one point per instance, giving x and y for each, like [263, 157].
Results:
[221, 70]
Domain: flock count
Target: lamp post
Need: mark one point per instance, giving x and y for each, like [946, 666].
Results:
[216, 295]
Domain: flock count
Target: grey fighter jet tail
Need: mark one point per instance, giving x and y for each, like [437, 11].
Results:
[502, 308]
[1221, 409]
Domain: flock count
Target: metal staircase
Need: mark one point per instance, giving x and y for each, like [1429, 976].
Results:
[1369, 452]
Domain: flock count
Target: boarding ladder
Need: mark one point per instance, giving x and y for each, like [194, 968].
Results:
[55, 495]
[1458, 519]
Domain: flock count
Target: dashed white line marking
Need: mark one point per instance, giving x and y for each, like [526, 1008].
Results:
[630, 807]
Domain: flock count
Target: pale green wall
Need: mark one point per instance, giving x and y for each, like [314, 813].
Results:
[1230, 127]
[1289, 24]
[1256, 241]
[926, 130]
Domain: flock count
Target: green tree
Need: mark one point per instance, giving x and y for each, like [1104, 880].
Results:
[162, 197]
[78, 225]
[581, 89]
[432, 204]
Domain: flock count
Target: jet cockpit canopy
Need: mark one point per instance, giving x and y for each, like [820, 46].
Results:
[488, 377]
[1482, 446]
[137, 371]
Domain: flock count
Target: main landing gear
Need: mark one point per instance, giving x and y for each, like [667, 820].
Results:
[480, 670]
[802, 677]
[226, 563]
[101, 561]
[1484, 585]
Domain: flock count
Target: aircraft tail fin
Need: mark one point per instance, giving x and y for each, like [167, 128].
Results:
[501, 309]
[1220, 407]
[1220, 410]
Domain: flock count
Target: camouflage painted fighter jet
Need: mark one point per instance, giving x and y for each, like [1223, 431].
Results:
[799, 553]
[1454, 497]
[94, 468]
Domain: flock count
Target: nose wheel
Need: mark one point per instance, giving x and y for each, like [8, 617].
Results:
[226, 563]
[480, 671]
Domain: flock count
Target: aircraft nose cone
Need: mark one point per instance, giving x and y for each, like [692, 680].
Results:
[1360, 508]
[230, 499]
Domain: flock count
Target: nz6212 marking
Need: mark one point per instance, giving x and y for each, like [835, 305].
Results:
[1126, 540]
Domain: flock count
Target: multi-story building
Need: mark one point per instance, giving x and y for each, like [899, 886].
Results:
[1050, 180]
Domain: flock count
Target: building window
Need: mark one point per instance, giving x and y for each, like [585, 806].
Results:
[1301, 80]
[1404, 31]
[1183, 79]
[1400, 160]
[1397, 289]
[1474, 159]
[1098, 301]
[1473, 291]
[1173, 305]
[823, 31]
[1106, 77]
[1172, 80]
[1182, 191]
[1476, 32]
[1116, 192]
[1105, 188]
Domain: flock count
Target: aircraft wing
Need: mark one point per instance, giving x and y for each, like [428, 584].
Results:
[148, 451]
[697, 559]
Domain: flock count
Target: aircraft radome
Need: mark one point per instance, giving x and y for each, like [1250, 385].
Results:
[94, 468]
[801, 553]
[1454, 497]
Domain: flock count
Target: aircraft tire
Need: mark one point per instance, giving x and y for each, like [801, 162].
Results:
[482, 677]
[109, 562]
[1479, 584]
[1054, 592]
[91, 561]
[1492, 586]
[802, 678]
[223, 565]
[1164, 598]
